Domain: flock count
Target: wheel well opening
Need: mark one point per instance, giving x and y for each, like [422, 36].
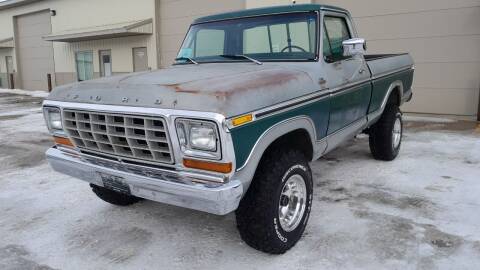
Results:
[297, 139]
[394, 97]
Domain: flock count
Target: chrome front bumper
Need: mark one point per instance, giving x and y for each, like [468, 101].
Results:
[157, 185]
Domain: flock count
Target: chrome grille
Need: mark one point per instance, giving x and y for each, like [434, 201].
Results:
[133, 137]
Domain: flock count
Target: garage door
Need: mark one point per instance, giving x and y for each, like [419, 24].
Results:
[35, 56]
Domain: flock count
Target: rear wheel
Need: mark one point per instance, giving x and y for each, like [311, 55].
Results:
[386, 135]
[114, 197]
[274, 213]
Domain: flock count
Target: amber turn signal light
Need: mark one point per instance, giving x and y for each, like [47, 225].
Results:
[62, 141]
[208, 166]
[242, 120]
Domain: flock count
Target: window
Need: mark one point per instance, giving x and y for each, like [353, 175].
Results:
[276, 37]
[256, 40]
[280, 38]
[84, 61]
[209, 42]
[336, 30]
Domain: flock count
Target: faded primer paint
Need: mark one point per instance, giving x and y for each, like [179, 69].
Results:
[225, 88]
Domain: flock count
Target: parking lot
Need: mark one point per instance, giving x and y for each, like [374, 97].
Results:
[419, 212]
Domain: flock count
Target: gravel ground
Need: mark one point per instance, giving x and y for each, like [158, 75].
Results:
[418, 212]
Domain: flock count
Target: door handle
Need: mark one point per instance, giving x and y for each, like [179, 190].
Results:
[361, 71]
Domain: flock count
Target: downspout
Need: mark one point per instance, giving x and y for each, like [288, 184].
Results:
[478, 109]
[157, 20]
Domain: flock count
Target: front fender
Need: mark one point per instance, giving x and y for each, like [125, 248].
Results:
[246, 171]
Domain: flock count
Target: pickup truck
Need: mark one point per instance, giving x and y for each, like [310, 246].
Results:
[252, 98]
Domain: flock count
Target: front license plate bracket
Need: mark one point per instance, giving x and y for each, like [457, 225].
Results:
[115, 183]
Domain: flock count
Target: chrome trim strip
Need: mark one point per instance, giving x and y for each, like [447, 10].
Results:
[258, 15]
[316, 96]
[317, 12]
[348, 87]
[294, 103]
[87, 134]
[213, 198]
[171, 175]
[382, 75]
[320, 147]
[284, 122]
[371, 117]
[339, 136]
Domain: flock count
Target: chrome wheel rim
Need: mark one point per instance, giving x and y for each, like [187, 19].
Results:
[292, 203]
[397, 133]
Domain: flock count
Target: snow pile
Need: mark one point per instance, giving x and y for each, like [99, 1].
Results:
[37, 93]
[428, 119]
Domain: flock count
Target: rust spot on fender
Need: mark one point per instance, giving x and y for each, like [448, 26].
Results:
[179, 89]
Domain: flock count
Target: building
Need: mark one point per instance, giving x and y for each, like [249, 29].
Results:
[79, 40]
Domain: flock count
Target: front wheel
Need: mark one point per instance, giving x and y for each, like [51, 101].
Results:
[274, 213]
[386, 135]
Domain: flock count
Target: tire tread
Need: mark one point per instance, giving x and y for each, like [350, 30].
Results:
[253, 216]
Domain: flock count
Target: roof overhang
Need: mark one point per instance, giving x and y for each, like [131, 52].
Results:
[143, 27]
[7, 43]
[15, 3]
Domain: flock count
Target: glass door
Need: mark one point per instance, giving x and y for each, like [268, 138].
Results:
[84, 61]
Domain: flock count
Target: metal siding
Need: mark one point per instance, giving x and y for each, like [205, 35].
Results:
[140, 59]
[35, 56]
[176, 17]
[443, 36]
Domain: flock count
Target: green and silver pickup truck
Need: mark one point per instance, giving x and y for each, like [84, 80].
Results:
[252, 98]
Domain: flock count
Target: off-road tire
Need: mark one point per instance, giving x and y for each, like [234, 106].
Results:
[381, 138]
[113, 197]
[258, 217]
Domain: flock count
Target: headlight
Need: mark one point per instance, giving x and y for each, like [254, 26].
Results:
[198, 138]
[53, 118]
[203, 137]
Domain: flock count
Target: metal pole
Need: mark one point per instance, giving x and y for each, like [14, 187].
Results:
[478, 112]
[49, 80]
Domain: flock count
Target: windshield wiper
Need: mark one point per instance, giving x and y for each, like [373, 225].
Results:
[187, 59]
[236, 56]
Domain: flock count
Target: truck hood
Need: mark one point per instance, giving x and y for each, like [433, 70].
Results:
[227, 88]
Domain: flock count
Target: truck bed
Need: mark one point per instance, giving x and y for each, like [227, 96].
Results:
[382, 64]
[388, 69]
[371, 57]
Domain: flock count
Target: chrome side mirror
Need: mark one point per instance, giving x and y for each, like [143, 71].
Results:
[354, 47]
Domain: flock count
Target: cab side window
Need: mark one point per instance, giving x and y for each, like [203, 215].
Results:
[336, 31]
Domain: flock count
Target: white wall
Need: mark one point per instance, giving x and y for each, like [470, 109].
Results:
[267, 3]
[5, 52]
[176, 17]
[84, 14]
[3, 65]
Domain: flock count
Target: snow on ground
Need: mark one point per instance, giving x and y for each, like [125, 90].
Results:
[427, 119]
[418, 212]
[42, 94]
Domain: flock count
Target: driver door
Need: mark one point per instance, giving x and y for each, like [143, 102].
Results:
[351, 87]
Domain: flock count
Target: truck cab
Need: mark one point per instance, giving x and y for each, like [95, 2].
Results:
[252, 97]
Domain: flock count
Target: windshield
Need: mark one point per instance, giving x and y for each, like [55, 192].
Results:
[266, 38]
